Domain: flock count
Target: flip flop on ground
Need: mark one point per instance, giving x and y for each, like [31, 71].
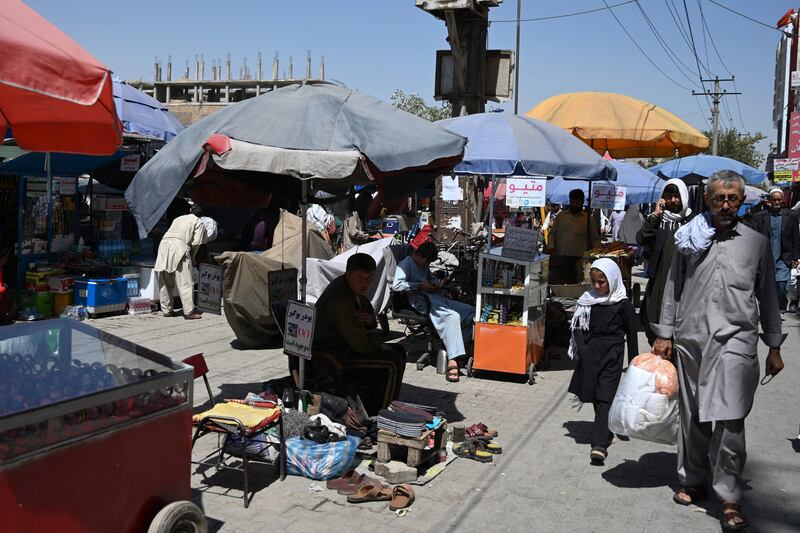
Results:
[453, 372]
[402, 497]
[371, 493]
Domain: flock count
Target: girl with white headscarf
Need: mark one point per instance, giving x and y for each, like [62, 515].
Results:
[604, 319]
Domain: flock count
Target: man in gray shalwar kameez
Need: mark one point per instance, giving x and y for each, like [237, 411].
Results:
[720, 279]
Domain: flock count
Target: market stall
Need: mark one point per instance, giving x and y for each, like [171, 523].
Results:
[512, 289]
[82, 404]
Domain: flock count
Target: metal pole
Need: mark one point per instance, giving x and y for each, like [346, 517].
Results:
[492, 186]
[303, 256]
[516, 63]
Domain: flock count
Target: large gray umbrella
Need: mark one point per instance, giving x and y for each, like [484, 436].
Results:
[331, 135]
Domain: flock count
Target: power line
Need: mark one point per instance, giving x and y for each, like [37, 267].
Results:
[748, 18]
[670, 53]
[640, 48]
[705, 34]
[694, 48]
[567, 14]
[679, 23]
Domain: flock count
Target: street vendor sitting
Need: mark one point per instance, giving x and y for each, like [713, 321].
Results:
[344, 318]
[451, 319]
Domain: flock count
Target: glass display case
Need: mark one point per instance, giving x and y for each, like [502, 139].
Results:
[62, 380]
[510, 314]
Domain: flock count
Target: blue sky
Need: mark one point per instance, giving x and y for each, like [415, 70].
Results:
[377, 46]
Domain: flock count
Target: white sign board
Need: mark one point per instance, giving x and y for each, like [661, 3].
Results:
[791, 163]
[526, 192]
[282, 285]
[298, 334]
[209, 288]
[608, 197]
[795, 81]
[130, 163]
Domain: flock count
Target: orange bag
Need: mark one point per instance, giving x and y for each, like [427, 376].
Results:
[665, 372]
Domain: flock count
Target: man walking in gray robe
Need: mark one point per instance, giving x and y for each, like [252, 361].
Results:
[721, 277]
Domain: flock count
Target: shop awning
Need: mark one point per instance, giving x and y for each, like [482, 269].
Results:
[67, 165]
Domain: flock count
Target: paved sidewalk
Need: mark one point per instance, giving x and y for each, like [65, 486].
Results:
[542, 482]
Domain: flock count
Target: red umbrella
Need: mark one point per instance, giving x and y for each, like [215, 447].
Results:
[53, 93]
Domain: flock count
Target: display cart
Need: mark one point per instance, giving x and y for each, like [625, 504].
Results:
[94, 432]
[510, 314]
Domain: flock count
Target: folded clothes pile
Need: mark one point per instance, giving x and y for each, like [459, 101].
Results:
[408, 420]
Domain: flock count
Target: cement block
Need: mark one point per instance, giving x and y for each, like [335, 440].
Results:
[396, 472]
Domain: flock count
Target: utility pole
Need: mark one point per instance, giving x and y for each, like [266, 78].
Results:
[716, 97]
[516, 70]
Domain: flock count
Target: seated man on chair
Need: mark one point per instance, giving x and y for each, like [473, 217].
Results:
[451, 319]
[344, 318]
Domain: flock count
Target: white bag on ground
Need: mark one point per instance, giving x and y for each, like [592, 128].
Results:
[639, 412]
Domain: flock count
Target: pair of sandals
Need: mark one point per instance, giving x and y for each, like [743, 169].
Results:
[477, 450]
[398, 496]
[731, 519]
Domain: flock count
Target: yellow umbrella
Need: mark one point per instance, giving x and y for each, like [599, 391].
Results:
[621, 125]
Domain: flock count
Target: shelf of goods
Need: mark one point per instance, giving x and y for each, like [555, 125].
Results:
[101, 422]
[622, 255]
[510, 314]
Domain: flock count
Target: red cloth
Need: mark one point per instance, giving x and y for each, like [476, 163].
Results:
[53, 94]
[424, 235]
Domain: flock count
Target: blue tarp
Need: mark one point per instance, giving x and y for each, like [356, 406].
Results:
[641, 185]
[66, 165]
[503, 144]
[705, 165]
[143, 114]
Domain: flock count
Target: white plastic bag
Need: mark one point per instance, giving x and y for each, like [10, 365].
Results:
[639, 412]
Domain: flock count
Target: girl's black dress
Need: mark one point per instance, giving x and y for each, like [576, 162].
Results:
[600, 351]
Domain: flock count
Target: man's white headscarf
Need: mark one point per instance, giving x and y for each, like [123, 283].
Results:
[685, 211]
[583, 311]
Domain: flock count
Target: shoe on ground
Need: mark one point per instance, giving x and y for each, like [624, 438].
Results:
[193, 316]
[598, 455]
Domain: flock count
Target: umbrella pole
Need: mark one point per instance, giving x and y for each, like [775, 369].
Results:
[303, 255]
[589, 219]
[492, 188]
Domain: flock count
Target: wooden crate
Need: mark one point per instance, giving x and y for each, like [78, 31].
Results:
[414, 448]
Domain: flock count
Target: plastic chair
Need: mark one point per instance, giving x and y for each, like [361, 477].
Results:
[198, 362]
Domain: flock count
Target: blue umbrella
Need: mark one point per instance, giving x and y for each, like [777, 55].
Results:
[143, 114]
[502, 144]
[641, 185]
[705, 165]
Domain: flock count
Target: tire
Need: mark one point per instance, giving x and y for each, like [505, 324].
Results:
[531, 374]
[179, 517]
[469, 370]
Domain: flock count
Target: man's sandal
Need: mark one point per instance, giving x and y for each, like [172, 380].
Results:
[485, 446]
[732, 518]
[453, 374]
[689, 495]
[467, 450]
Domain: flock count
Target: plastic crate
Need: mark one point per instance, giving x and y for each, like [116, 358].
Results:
[101, 295]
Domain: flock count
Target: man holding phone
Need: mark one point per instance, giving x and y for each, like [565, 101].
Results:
[657, 236]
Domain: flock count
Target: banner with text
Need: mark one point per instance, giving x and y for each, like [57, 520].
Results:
[299, 330]
[526, 192]
[608, 197]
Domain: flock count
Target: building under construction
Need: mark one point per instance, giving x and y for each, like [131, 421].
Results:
[194, 96]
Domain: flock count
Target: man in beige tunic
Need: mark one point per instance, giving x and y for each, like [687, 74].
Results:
[720, 281]
[175, 260]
